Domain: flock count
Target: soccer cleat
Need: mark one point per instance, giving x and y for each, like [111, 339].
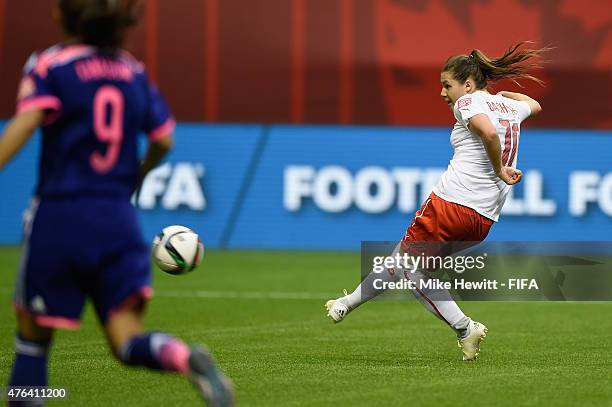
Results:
[214, 387]
[336, 309]
[470, 345]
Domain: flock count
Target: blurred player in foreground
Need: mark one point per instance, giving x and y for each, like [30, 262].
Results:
[470, 194]
[82, 238]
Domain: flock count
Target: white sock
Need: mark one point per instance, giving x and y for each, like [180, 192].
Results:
[366, 290]
[440, 303]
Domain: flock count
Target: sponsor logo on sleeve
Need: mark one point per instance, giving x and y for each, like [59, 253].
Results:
[464, 102]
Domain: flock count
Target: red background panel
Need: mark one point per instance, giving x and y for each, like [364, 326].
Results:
[340, 61]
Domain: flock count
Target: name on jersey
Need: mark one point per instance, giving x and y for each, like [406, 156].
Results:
[99, 68]
[500, 107]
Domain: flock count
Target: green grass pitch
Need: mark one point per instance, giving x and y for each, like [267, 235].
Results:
[262, 315]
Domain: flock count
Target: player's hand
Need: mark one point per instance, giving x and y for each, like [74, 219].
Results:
[510, 175]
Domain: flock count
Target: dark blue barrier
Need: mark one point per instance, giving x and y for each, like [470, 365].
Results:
[319, 187]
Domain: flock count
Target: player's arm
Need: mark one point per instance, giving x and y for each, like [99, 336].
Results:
[18, 132]
[535, 107]
[156, 152]
[483, 128]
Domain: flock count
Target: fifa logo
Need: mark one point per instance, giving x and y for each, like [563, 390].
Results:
[172, 186]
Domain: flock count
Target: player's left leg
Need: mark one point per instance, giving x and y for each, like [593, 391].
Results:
[119, 292]
[339, 308]
[133, 346]
[160, 351]
[31, 353]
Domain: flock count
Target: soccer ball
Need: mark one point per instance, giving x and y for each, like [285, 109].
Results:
[177, 250]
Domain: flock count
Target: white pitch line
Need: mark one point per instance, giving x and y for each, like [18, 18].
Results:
[250, 295]
[285, 295]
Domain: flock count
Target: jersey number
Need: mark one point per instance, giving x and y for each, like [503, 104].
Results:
[108, 126]
[511, 141]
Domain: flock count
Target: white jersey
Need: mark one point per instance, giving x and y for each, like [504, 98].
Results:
[470, 180]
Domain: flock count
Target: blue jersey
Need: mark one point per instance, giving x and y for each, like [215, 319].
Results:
[97, 103]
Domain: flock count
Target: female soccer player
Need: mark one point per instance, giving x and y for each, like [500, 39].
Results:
[470, 194]
[92, 99]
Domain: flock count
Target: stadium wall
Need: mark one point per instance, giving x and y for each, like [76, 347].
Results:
[371, 62]
[329, 187]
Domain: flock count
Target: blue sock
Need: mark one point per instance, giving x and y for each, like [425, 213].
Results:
[157, 351]
[30, 367]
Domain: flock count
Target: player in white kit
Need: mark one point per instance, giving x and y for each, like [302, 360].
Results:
[470, 194]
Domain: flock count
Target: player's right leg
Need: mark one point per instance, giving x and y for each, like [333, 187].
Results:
[45, 297]
[441, 230]
[31, 354]
[432, 233]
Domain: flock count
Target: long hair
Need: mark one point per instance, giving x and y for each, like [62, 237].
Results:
[101, 23]
[483, 69]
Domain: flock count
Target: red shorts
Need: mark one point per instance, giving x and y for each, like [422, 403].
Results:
[449, 227]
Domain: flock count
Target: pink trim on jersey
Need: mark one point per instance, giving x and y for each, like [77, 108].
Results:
[49, 321]
[162, 131]
[39, 103]
[174, 356]
[60, 56]
[42, 103]
[145, 293]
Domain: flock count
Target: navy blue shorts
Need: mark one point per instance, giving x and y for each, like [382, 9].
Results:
[79, 248]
